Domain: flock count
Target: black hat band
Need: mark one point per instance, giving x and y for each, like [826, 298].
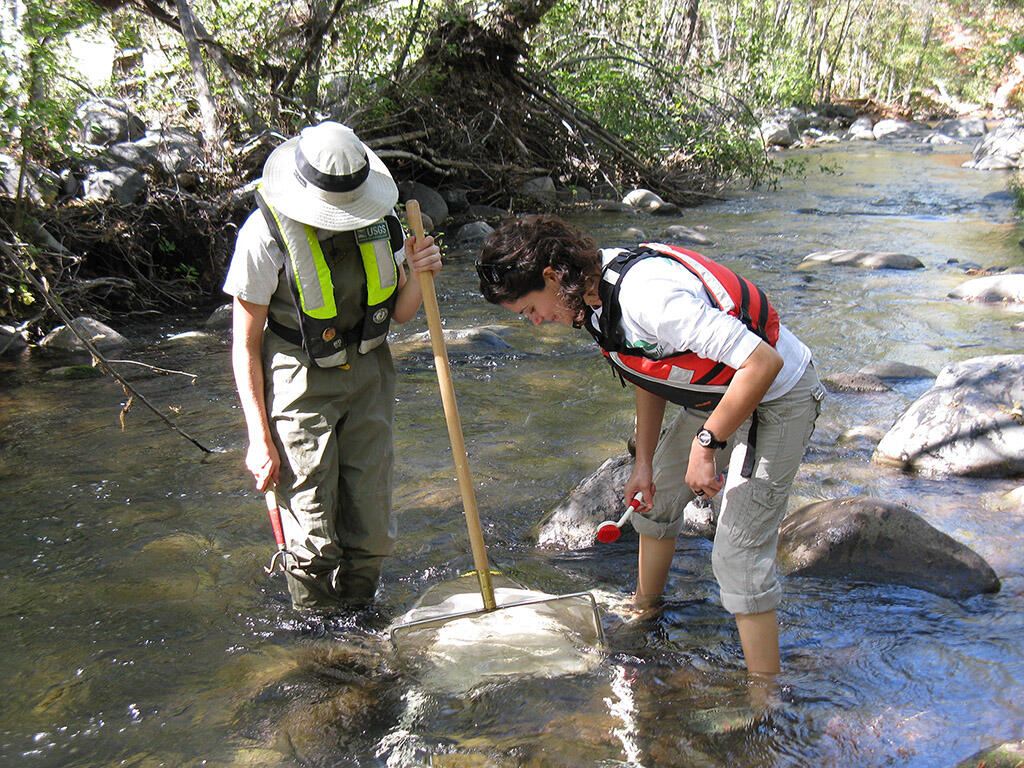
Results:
[330, 182]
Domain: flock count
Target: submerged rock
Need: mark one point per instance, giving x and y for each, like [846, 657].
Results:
[1009, 754]
[864, 259]
[971, 422]
[855, 381]
[866, 539]
[888, 369]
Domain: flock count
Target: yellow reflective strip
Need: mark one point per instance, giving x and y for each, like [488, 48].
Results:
[381, 271]
[323, 278]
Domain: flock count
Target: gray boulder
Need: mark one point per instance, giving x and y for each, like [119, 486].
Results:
[63, 338]
[1007, 288]
[541, 188]
[473, 232]
[862, 128]
[891, 129]
[39, 184]
[779, 130]
[864, 259]
[176, 150]
[574, 522]
[678, 234]
[431, 201]
[122, 185]
[649, 202]
[107, 121]
[962, 127]
[220, 319]
[861, 538]
[10, 340]
[999, 150]
[969, 423]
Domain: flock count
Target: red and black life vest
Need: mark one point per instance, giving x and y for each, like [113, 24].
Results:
[684, 378]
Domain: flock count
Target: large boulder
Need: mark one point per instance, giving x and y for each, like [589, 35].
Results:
[10, 340]
[574, 522]
[864, 259]
[647, 201]
[122, 185]
[779, 131]
[863, 128]
[891, 129]
[38, 184]
[107, 121]
[866, 539]
[999, 150]
[970, 422]
[962, 127]
[176, 150]
[677, 234]
[1007, 288]
[63, 338]
[431, 202]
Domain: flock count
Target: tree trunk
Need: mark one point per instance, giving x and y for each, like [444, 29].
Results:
[207, 108]
[926, 38]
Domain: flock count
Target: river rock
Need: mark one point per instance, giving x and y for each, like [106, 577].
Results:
[574, 522]
[1007, 288]
[861, 434]
[10, 340]
[123, 185]
[645, 200]
[1009, 754]
[220, 319]
[64, 339]
[177, 150]
[457, 200]
[39, 184]
[862, 128]
[634, 235]
[891, 129]
[939, 139]
[861, 538]
[540, 188]
[888, 369]
[970, 422]
[431, 201]
[962, 127]
[999, 150]
[865, 259]
[855, 382]
[678, 234]
[107, 121]
[74, 372]
[779, 131]
[473, 232]
[611, 206]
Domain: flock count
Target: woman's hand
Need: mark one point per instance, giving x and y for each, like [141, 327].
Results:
[423, 255]
[701, 474]
[264, 462]
[641, 479]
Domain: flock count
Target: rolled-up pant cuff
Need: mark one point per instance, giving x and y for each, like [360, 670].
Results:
[762, 603]
[655, 530]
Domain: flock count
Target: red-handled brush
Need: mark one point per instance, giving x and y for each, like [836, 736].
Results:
[609, 531]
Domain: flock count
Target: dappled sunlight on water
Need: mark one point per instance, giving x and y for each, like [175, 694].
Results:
[139, 628]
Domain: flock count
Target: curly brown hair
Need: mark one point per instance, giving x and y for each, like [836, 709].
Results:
[514, 256]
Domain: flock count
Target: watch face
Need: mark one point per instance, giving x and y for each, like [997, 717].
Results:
[704, 438]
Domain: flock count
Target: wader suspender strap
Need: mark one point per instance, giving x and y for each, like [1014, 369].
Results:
[748, 460]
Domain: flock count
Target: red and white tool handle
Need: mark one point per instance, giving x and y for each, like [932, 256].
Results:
[609, 530]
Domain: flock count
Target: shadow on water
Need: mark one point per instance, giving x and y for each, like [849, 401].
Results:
[140, 630]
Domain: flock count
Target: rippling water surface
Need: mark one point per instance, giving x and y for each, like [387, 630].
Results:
[139, 629]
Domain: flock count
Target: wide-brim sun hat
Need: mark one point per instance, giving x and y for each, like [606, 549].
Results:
[327, 178]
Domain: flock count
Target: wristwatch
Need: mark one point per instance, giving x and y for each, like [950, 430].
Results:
[707, 439]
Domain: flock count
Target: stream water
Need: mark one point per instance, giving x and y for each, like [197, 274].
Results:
[138, 627]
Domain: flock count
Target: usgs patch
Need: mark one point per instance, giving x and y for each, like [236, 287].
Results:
[376, 231]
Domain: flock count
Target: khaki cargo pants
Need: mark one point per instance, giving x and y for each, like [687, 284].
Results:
[755, 496]
[333, 429]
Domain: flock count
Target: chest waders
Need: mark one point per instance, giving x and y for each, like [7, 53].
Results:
[312, 287]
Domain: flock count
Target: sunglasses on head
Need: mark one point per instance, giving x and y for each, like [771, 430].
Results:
[493, 273]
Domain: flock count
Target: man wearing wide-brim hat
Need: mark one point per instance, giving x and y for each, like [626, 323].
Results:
[317, 276]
